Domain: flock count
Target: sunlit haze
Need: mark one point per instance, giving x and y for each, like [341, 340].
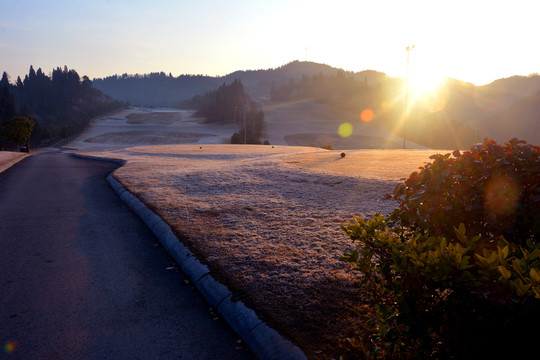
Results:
[474, 41]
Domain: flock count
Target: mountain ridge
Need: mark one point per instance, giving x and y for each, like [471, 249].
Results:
[256, 82]
[475, 107]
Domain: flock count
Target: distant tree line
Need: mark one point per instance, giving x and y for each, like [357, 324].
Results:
[154, 89]
[230, 104]
[59, 106]
[159, 89]
[321, 87]
[526, 111]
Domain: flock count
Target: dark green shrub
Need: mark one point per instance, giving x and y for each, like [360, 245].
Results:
[492, 189]
[456, 267]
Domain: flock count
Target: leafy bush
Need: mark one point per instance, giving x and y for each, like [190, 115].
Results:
[492, 189]
[456, 267]
[17, 130]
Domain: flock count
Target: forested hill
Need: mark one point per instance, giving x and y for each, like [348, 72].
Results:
[155, 89]
[229, 104]
[457, 115]
[159, 89]
[259, 83]
[521, 120]
[61, 105]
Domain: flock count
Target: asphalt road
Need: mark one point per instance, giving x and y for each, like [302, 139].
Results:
[83, 278]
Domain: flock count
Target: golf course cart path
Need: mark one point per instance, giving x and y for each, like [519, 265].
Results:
[83, 278]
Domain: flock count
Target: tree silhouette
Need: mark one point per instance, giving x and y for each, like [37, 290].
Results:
[60, 106]
[227, 104]
[7, 102]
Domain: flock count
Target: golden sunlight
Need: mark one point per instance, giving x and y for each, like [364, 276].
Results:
[436, 99]
[426, 82]
[423, 80]
[425, 71]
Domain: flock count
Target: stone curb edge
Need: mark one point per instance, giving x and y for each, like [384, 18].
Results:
[12, 162]
[263, 341]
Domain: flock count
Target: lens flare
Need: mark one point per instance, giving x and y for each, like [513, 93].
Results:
[501, 196]
[345, 129]
[366, 115]
[9, 347]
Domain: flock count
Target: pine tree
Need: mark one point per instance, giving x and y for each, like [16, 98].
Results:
[5, 80]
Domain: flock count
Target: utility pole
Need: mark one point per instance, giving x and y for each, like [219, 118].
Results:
[245, 127]
[235, 107]
[408, 48]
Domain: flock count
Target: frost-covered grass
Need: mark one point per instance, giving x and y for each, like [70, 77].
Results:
[266, 219]
[159, 118]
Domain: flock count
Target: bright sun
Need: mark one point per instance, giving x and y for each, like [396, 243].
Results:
[425, 71]
[426, 85]
[424, 80]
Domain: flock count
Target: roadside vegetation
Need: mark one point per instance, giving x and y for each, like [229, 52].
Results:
[454, 271]
[17, 130]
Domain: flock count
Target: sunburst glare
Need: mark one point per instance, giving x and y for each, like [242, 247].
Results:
[424, 79]
[434, 100]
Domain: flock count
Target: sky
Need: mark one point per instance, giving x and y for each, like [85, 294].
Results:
[474, 40]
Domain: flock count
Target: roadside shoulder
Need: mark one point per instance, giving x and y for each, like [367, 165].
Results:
[265, 342]
[10, 163]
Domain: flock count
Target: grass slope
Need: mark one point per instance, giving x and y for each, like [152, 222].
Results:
[266, 220]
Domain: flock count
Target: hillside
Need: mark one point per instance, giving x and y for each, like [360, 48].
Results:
[521, 120]
[258, 83]
[161, 90]
[500, 110]
[155, 89]
[457, 115]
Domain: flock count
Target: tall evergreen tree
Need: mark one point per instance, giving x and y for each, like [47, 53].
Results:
[61, 106]
[5, 80]
[31, 73]
[7, 101]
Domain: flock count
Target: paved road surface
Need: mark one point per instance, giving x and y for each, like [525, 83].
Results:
[82, 277]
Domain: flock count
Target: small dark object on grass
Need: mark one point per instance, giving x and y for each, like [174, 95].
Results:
[342, 155]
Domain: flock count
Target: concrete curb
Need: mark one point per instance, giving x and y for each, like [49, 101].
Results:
[263, 341]
[12, 162]
[116, 161]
